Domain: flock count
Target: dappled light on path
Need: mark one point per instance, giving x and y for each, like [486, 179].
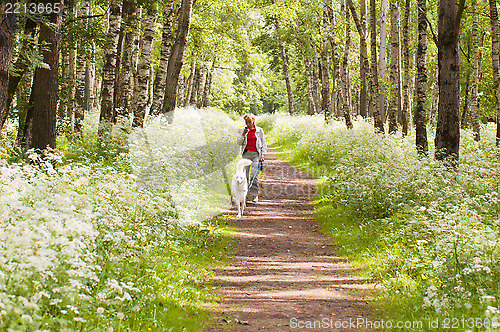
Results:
[283, 269]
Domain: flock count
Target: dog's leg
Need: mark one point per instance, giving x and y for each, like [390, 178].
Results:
[239, 208]
[243, 205]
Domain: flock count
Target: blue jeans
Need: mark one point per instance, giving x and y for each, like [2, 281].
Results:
[254, 157]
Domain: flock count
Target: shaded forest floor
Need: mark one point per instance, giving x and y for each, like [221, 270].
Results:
[284, 273]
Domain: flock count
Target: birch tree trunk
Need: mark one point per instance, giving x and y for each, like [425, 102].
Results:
[68, 55]
[195, 83]
[363, 55]
[325, 69]
[107, 116]
[177, 55]
[405, 111]
[208, 86]
[363, 63]
[421, 82]
[475, 73]
[495, 38]
[448, 125]
[7, 37]
[166, 45]
[43, 109]
[345, 73]
[80, 81]
[316, 84]
[201, 85]
[284, 59]
[382, 55]
[375, 110]
[127, 75]
[191, 82]
[144, 68]
[395, 76]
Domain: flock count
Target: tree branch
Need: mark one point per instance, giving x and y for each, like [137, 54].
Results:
[456, 30]
[434, 37]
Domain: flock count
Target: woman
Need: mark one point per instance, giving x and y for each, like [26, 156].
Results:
[253, 147]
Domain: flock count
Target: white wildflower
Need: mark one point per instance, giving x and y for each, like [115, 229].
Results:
[100, 310]
[120, 315]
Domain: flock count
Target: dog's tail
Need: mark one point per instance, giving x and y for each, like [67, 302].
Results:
[241, 164]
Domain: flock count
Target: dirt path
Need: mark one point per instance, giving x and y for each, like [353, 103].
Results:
[284, 274]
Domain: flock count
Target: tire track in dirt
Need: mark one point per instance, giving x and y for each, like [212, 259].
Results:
[283, 272]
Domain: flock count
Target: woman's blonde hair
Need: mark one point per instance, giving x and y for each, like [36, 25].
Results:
[249, 116]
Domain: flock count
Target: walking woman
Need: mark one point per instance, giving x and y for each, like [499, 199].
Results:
[253, 147]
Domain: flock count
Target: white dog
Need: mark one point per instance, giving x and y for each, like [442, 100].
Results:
[239, 186]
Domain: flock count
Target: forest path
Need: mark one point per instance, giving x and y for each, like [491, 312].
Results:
[284, 273]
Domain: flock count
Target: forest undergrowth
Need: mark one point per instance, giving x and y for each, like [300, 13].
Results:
[92, 237]
[426, 235]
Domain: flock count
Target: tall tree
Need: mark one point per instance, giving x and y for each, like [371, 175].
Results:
[325, 70]
[42, 114]
[166, 44]
[131, 13]
[448, 125]
[360, 26]
[7, 36]
[475, 72]
[143, 70]
[495, 61]
[421, 81]
[107, 116]
[81, 104]
[375, 110]
[177, 55]
[405, 111]
[284, 59]
[363, 63]
[395, 76]
[345, 73]
[382, 55]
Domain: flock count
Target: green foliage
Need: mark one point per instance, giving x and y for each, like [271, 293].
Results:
[428, 235]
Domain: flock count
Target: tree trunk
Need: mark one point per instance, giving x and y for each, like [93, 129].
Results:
[395, 76]
[20, 67]
[363, 63]
[127, 76]
[166, 45]
[360, 26]
[190, 83]
[382, 55]
[345, 73]
[208, 86]
[421, 83]
[80, 80]
[195, 84]
[335, 64]
[375, 110]
[177, 55]
[201, 85]
[405, 111]
[284, 59]
[43, 111]
[448, 125]
[107, 116]
[7, 37]
[316, 84]
[495, 38]
[325, 69]
[144, 68]
[181, 92]
[475, 73]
